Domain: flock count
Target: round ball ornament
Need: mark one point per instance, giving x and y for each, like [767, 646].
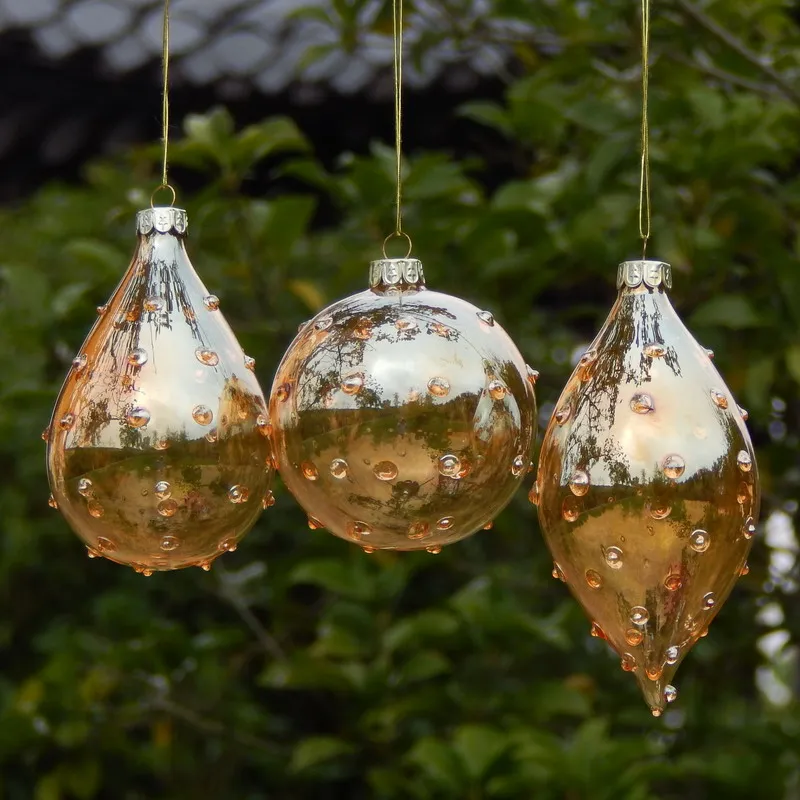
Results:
[647, 486]
[402, 418]
[158, 451]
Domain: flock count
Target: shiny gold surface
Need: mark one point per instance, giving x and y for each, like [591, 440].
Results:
[403, 419]
[158, 452]
[647, 486]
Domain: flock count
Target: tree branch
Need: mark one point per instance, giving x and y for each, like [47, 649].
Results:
[738, 46]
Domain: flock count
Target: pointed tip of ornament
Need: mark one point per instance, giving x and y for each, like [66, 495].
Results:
[656, 711]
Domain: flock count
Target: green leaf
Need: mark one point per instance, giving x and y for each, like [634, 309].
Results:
[423, 666]
[732, 311]
[336, 576]
[479, 746]
[439, 763]
[316, 750]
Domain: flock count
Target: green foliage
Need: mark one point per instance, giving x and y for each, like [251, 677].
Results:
[301, 668]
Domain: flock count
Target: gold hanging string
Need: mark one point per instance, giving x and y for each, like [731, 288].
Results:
[164, 106]
[397, 37]
[644, 179]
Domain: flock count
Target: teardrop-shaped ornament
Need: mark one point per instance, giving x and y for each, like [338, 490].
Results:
[158, 454]
[403, 418]
[648, 485]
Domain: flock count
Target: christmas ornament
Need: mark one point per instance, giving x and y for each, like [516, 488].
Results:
[647, 484]
[158, 452]
[402, 418]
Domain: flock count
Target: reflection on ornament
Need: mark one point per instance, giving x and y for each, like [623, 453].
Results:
[647, 486]
[402, 419]
[156, 453]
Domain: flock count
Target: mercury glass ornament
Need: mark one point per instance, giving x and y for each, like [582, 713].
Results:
[402, 418]
[158, 451]
[647, 487]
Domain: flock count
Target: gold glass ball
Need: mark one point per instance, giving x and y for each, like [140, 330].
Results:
[402, 418]
[158, 451]
[647, 485]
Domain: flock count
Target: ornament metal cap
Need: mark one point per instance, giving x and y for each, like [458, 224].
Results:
[391, 275]
[162, 219]
[653, 274]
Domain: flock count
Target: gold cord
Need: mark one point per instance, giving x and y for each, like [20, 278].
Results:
[164, 106]
[644, 179]
[397, 36]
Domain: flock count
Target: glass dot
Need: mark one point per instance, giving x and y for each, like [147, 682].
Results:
[167, 508]
[439, 387]
[719, 399]
[570, 509]
[314, 524]
[137, 417]
[405, 324]
[105, 545]
[670, 693]
[323, 323]
[268, 500]
[486, 317]
[249, 363]
[212, 436]
[339, 468]
[66, 422]
[262, 423]
[533, 495]
[744, 461]
[709, 601]
[659, 509]
[202, 415]
[699, 541]
[356, 529]
[639, 615]
[85, 487]
[137, 357]
[352, 384]
[211, 302]
[52, 502]
[633, 637]
[169, 543]
[79, 362]
[613, 556]
[743, 493]
[673, 466]
[418, 530]
[518, 466]
[238, 494]
[597, 631]
[579, 483]
[162, 490]
[557, 573]
[655, 350]
[496, 390]
[154, 303]
[309, 471]
[227, 545]
[673, 582]
[206, 356]
[450, 466]
[434, 549]
[628, 663]
[445, 523]
[385, 471]
[563, 414]
[642, 403]
[282, 392]
[593, 579]
[672, 654]
[533, 375]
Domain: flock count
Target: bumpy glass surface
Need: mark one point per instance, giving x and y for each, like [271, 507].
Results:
[404, 420]
[158, 451]
[648, 489]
